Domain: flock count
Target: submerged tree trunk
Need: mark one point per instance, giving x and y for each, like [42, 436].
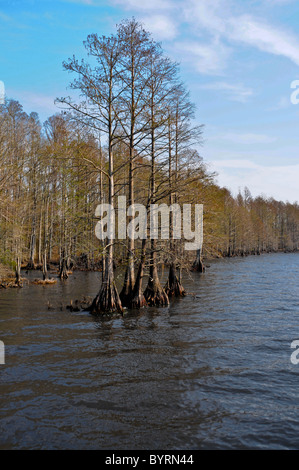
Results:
[154, 293]
[198, 265]
[44, 259]
[45, 269]
[63, 267]
[107, 300]
[173, 286]
[18, 273]
[129, 281]
[31, 263]
[138, 299]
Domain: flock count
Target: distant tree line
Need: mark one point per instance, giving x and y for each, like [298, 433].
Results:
[128, 131]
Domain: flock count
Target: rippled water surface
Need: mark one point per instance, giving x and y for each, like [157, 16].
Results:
[212, 371]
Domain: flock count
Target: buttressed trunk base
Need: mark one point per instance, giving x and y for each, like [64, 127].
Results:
[173, 286]
[154, 293]
[198, 265]
[107, 300]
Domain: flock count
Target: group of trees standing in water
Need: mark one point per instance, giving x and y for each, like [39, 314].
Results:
[128, 130]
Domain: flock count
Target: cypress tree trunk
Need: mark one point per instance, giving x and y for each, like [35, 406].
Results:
[107, 300]
[138, 299]
[154, 293]
[63, 267]
[198, 265]
[129, 281]
[173, 286]
[18, 273]
[45, 269]
[31, 263]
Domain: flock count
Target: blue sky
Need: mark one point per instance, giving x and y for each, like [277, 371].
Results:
[237, 58]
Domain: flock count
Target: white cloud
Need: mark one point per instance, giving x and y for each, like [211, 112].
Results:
[162, 27]
[206, 14]
[217, 18]
[280, 182]
[210, 59]
[265, 37]
[234, 92]
[38, 102]
[222, 24]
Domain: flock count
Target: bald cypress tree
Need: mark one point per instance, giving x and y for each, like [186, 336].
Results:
[137, 51]
[100, 84]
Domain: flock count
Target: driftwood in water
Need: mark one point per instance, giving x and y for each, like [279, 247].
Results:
[44, 282]
[73, 308]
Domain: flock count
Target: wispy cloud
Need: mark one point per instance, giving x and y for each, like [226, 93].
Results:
[246, 139]
[249, 30]
[263, 36]
[39, 102]
[219, 20]
[234, 92]
[271, 181]
[207, 58]
[161, 26]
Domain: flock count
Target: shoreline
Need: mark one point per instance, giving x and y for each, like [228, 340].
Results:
[8, 281]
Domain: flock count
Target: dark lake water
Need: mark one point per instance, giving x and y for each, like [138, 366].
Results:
[209, 372]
